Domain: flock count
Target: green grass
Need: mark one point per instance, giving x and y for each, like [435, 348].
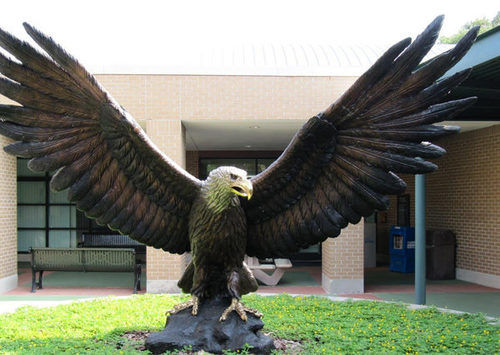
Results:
[323, 326]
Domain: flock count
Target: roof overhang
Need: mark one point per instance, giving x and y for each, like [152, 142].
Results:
[252, 135]
[243, 135]
[483, 81]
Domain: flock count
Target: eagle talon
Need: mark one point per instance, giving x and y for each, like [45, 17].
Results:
[193, 302]
[239, 308]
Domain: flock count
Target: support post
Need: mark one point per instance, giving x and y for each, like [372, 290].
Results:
[420, 239]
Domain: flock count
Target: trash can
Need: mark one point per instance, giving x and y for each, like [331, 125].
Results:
[440, 254]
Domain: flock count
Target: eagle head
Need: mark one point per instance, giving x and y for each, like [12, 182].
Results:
[224, 184]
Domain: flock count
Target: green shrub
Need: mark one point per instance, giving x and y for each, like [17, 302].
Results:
[321, 325]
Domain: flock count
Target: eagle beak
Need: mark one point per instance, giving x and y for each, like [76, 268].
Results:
[243, 188]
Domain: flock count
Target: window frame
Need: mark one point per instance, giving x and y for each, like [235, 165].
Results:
[82, 223]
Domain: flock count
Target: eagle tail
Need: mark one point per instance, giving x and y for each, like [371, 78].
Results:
[186, 281]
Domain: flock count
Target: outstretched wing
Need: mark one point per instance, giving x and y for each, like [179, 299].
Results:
[342, 162]
[67, 122]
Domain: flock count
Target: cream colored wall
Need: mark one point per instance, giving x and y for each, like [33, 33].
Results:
[163, 269]
[8, 219]
[171, 97]
[464, 196]
[343, 261]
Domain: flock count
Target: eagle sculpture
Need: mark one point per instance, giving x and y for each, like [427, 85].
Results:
[338, 168]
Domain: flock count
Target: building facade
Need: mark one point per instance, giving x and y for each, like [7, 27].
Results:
[255, 116]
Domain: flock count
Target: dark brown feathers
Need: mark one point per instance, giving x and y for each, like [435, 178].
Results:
[339, 166]
[343, 162]
[67, 122]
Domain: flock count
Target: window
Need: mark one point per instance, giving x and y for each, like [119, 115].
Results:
[46, 218]
[252, 166]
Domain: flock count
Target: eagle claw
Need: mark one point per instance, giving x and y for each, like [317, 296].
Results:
[193, 302]
[239, 308]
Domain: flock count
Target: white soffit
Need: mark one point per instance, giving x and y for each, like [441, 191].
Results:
[466, 126]
[240, 134]
[254, 135]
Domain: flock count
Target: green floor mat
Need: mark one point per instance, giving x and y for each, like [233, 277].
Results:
[297, 278]
[473, 302]
[90, 279]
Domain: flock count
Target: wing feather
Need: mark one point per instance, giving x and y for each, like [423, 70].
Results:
[33, 118]
[69, 123]
[343, 162]
[423, 149]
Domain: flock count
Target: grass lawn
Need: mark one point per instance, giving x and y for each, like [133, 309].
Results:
[322, 326]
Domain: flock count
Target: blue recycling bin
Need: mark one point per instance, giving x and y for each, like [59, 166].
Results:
[402, 249]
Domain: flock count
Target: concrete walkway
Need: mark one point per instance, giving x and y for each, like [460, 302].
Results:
[12, 306]
[380, 284]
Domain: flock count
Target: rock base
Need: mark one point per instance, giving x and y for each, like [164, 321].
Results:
[205, 332]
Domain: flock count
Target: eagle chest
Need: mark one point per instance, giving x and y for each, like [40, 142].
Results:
[217, 238]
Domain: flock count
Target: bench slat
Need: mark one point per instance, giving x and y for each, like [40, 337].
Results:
[111, 241]
[83, 259]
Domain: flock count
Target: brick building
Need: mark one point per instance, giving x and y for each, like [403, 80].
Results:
[245, 115]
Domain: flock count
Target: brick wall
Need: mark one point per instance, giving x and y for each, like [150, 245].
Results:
[192, 162]
[151, 97]
[8, 213]
[168, 135]
[464, 196]
[343, 261]
[343, 256]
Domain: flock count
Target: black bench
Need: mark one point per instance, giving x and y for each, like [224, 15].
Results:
[83, 259]
[114, 241]
[111, 241]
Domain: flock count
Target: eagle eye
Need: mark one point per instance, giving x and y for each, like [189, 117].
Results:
[233, 177]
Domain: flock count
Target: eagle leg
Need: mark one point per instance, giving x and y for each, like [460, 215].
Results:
[193, 302]
[236, 305]
[239, 308]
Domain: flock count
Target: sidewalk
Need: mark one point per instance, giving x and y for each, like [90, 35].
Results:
[380, 284]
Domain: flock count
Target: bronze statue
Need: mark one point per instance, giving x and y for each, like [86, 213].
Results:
[338, 167]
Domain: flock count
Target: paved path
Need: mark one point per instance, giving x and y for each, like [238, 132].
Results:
[380, 285]
[12, 306]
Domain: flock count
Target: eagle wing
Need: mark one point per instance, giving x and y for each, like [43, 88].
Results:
[69, 123]
[341, 164]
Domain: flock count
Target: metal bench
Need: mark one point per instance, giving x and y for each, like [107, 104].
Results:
[114, 241]
[83, 259]
[277, 266]
[111, 241]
